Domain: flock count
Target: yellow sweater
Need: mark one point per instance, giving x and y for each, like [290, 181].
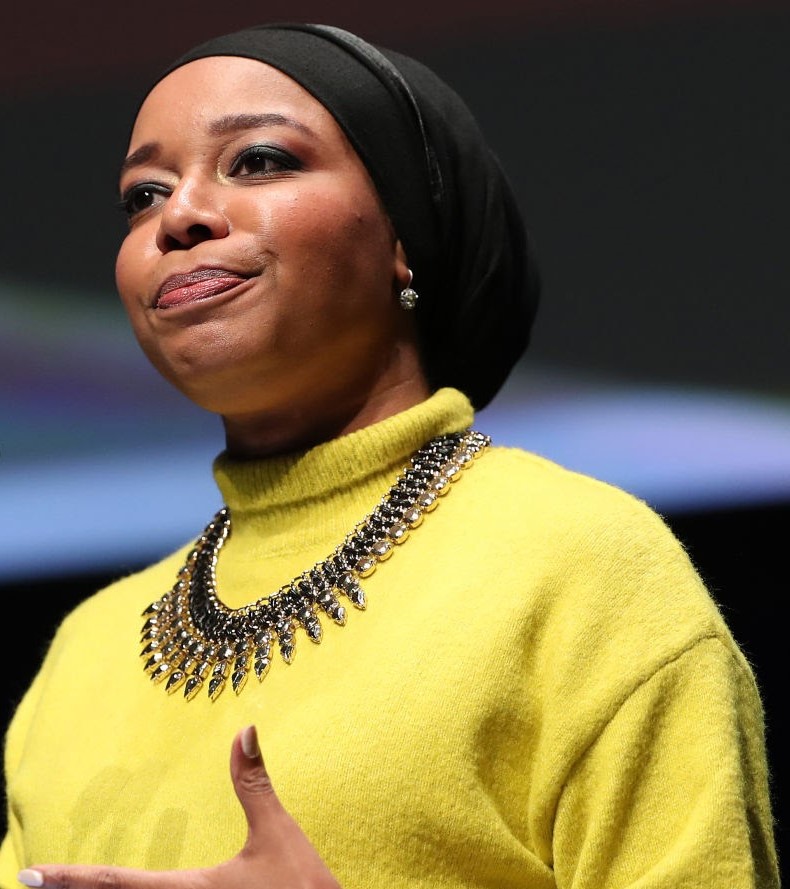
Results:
[541, 693]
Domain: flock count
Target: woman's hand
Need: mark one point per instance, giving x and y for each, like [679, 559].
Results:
[275, 855]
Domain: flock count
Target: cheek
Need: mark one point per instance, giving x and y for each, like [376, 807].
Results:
[122, 269]
[130, 284]
[131, 270]
[345, 236]
[334, 211]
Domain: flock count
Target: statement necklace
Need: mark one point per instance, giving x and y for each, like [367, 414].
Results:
[192, 639]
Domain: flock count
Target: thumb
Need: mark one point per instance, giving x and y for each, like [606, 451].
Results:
[253, 785]
[275, 842]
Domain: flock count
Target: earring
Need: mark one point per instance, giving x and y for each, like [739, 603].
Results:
[408, 297]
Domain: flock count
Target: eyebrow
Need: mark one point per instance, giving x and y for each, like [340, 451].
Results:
[143, 154]
[232, 122]
[229, 123]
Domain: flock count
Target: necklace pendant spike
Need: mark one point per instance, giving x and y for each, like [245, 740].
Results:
[160, 671]
[219, 676]
[261, 664]
[357, 596]
[153, 661]
[238, 679]
[215, 687]
[192, 687]
[174, 681]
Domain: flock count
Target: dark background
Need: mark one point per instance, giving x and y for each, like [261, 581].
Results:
[648, 143]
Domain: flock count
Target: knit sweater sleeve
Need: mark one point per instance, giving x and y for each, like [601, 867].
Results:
[9, 862]
[13, 746]
[668, 793]
[649, 767]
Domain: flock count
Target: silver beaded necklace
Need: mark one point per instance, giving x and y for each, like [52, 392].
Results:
[191, 638]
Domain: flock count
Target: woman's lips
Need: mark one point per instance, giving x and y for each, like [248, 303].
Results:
[195, 286]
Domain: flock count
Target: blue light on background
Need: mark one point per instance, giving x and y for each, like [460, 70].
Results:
[103, 467]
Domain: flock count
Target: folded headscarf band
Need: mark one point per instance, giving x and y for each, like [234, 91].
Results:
[450, 203]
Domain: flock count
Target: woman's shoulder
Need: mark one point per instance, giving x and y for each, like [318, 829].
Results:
[535, 490]
[606, 578]
[592, 548]
[129, 593]
[529, 467]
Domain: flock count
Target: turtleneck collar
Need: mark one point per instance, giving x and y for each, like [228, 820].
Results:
[321, 488]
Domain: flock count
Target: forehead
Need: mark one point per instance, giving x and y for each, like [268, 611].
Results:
[205, 89]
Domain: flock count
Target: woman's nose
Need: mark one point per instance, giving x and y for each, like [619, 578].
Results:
[191, 214]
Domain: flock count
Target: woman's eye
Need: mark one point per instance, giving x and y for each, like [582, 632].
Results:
[263, 160]
[141, 197]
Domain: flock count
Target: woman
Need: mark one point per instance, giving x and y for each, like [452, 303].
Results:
[540, 692]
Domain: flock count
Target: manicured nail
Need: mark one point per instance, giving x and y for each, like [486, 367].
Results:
[249, 744]
[30, 877]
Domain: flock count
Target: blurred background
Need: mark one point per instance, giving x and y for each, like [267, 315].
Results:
[648, 143]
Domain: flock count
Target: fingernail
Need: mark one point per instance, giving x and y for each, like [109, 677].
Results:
[30, 877]
[249, 744]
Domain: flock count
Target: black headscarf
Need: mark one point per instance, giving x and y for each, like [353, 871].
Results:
[446, 194]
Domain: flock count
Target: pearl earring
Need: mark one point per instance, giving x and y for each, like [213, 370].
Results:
[408, 297]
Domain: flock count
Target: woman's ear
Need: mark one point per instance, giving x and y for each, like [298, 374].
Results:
[402, 271]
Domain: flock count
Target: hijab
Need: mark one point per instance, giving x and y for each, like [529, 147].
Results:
[447, 196]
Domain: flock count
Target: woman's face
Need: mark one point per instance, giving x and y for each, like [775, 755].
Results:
[260, 271]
